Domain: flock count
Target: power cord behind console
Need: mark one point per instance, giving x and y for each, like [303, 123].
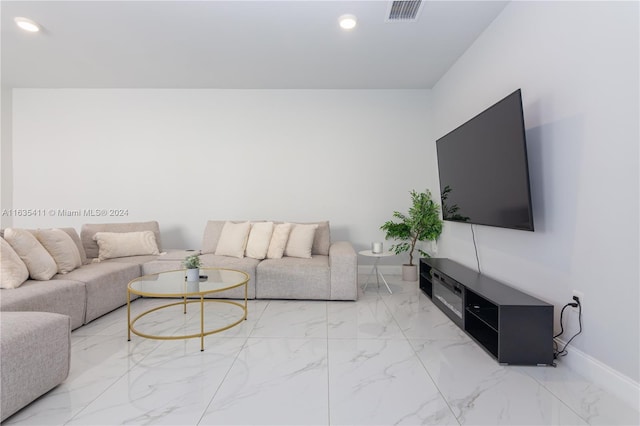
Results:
[575, 304]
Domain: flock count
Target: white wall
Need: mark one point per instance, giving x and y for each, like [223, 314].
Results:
[183, 157]
[6, 167]
[577, 65]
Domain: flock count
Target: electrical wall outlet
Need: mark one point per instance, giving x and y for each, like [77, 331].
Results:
[580, 296]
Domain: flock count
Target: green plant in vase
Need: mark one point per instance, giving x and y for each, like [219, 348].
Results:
[421, 223]
[192, 264]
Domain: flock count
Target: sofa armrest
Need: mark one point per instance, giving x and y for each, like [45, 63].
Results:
[343, 262]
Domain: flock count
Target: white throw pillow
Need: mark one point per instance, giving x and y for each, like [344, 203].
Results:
[233, 239]
[123, 244]
[39, 262]
[259, 239]
[300, 240]
[278, 240]
[61, 247]
[13, 270]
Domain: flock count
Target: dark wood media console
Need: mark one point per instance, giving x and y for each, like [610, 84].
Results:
[511, 326]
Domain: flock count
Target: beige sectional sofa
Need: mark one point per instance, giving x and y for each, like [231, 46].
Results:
[85, 293]
[98, 286]
[329, 273]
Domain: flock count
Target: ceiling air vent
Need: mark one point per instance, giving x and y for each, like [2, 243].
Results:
[404, 10]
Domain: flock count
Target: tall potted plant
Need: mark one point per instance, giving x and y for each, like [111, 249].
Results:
[421, 223]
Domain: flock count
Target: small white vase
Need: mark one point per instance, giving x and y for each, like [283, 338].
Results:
[193, 274]
[192, 286]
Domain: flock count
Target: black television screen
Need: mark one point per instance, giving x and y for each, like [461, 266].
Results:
[484, 175]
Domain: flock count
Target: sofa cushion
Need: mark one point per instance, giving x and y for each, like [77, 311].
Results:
[279, 240]
[246, 264]
[159, 265]
[259, 239]
[61, 296]
[233, 239]
[13, 270]
[294, 278]
[123, 244]
[61, 247]
[135, 260]
[300, 240]
[39, 262]
[89, 230]
[36, 353]
[106, 285]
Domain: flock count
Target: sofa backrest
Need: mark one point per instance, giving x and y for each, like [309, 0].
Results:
[321, 240]
[89, 230]
[211, 235]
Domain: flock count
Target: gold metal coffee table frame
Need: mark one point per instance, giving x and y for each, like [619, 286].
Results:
[173, 284]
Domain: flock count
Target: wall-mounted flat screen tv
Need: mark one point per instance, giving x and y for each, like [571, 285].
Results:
[483, 169]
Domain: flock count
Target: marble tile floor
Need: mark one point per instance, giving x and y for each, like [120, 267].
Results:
[383, 360]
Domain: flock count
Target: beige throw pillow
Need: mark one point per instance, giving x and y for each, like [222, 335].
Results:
[259, 239]
[13, 271]
[123, 244]
[39, 262]
[233, 239]
[61, 247]
[300, 240]
[76, 239]
[278, 240]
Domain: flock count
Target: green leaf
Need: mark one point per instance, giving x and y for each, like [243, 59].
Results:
[422, 223]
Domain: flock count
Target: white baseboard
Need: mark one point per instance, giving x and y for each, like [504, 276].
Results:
[602, 375]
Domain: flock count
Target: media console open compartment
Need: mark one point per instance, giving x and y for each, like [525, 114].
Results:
[425, 278]
[511, 326]
[481, 322]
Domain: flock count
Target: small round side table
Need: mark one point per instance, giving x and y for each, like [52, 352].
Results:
[379, 275]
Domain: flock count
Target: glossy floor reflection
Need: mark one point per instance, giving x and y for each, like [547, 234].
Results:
[383, 360]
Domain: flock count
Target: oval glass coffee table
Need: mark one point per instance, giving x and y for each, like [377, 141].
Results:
[174, 285]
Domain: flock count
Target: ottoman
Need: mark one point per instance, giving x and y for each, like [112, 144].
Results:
[35, 348]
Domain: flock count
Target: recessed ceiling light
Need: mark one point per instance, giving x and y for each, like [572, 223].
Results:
[27, 24]
[348, 22]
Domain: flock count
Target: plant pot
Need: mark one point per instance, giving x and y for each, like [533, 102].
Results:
[409, 272]
[192, 286]
[193, 274]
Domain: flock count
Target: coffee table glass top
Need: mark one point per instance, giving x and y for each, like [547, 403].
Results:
[174, 283]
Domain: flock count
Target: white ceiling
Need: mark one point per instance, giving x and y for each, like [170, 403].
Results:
[235, 44]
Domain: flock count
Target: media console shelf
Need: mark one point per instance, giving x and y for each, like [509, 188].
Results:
[511, 326]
